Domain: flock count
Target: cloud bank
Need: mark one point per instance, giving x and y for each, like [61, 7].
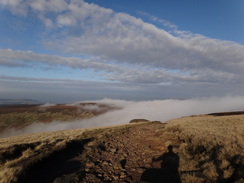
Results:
[157, 110]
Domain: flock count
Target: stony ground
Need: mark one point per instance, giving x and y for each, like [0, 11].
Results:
[120, 155]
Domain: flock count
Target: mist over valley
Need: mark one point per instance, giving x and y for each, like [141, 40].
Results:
[107, 112]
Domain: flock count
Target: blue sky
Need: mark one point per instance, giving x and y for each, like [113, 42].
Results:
[219, 19]
[71, 50]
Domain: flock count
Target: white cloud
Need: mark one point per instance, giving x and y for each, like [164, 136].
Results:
[56, 6]
[66, 20]
[117, 72]
[125, 48]
[119, 37]
[161, 21]
[114, 72]
[156, 110]
[16, 6]
[29, 57]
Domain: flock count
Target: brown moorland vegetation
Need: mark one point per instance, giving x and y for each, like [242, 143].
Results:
[19, 116]
[213, 144]
[210, 148]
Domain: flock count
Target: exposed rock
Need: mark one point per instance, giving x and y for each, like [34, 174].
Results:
[89, 164]
[123, 163]
[66, 179]
[124, 153]
[105, 163]
[138, 120]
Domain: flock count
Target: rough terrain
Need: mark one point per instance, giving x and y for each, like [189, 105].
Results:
[121, 156]
[124, 153]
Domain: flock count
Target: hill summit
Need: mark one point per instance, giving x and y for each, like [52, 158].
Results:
[209, 147]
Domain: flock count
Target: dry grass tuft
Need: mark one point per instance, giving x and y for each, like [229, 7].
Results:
[212, 144]
[19, 152]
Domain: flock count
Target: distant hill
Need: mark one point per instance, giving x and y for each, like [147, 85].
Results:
[19, 102]
[20, 116]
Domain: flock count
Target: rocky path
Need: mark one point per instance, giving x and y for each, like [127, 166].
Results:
[111, 155]
[121, 156]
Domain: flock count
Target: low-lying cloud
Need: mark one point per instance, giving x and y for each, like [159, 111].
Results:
[156, 110]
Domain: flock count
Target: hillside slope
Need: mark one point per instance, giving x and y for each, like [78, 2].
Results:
[210, 149]
[15, 118]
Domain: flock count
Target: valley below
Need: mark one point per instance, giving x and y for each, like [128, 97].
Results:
[16, 117]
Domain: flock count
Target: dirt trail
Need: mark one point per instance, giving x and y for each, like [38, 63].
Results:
[120, 155]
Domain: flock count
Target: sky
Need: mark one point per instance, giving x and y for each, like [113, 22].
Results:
[73, 50]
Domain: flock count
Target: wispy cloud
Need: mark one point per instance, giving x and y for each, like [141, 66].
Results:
[153, 18]
[117, 72]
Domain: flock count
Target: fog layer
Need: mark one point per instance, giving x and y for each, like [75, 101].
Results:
[156, 110]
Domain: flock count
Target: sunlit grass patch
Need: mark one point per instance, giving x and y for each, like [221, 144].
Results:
[213, 144]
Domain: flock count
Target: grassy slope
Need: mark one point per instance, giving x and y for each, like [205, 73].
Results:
[212, 145]
[19, 152]
[19, 116]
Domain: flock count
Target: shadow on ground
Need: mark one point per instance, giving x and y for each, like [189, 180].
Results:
[56, 165]
[168, 173]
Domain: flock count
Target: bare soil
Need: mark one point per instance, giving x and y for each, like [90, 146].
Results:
[121, 156]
